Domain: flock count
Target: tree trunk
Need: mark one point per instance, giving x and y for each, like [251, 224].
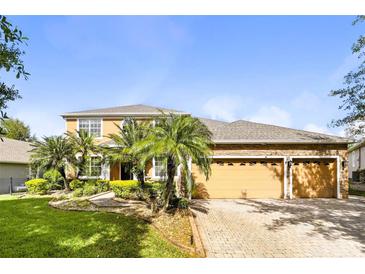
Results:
[63, 173]
[81, 167]
[171, 168]
[140, 177]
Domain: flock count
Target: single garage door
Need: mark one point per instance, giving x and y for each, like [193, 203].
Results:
[314, 178]
[248, 178]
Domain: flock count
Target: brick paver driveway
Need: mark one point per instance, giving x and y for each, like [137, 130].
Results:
[282, 228]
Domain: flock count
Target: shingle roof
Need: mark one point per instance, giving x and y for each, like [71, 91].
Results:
[357, 145]
[14, 151]
[239, 132]
[136, 110]
[246, 132]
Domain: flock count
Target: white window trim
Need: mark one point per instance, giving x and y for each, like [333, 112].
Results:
[162, 177]
[101, 172]
[93, 118]
[122, 123]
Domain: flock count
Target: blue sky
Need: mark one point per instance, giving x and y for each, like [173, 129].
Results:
[271, 69]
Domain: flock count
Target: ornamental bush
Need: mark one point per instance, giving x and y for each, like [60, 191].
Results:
[78, 192]
[127, 189]
[131, 189]
[89, 189]
[54, 177]
[183, 203]
[75, 184]
[38, 186]
[155, 189]
[102, 185]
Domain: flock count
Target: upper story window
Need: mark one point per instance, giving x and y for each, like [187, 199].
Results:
[92, 126]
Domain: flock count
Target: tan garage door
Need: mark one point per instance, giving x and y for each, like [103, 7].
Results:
[249, 178]
[314, 178]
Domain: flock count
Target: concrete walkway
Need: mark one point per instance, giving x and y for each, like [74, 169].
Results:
[282, 228]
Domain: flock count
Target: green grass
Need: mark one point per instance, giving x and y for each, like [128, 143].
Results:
[7, 197]
[356, 192]
[30, 228]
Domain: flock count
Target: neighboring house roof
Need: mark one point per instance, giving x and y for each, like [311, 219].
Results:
[14, 151]
[246, 132]
[358, 145]
[131, 110]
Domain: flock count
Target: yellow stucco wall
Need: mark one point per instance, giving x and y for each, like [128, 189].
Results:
[71, 125]
[108, 126]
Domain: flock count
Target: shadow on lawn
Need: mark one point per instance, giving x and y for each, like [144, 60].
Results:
[331, 218]
[29, 228]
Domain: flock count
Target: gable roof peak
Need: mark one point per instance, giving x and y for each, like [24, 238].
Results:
[124, 110]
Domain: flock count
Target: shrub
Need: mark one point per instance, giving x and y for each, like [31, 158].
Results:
[89, 187]
[38, 186]
[183, 203]
[75, 184]
[155, 191]
[54, 177]
[78, 192]
[89, 190]
[126, 189]
[199, 191]
[102, 185]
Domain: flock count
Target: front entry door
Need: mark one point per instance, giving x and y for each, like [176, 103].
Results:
[126, 171]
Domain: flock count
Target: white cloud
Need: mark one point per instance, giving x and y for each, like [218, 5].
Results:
[272, 115]
[223, 107]
[315, 128]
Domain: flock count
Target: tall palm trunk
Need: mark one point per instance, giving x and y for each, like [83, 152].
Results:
[171, 169]
[63, 173]
[140, 177]
[82, 166]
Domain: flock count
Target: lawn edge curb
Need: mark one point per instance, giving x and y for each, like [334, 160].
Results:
[199, 246]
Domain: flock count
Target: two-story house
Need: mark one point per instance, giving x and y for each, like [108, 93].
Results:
[250, 160]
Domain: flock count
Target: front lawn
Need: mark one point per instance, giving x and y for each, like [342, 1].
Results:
[30, 228]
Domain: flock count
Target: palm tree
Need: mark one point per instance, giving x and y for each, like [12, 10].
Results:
[53, 152]
[83, 145]
[127, 136]
[178, 139]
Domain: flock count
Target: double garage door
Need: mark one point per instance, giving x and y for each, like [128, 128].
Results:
[258, 178]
